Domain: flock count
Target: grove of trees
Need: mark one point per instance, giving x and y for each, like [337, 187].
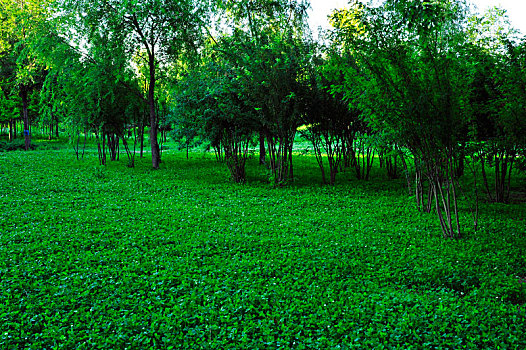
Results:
[431, 90]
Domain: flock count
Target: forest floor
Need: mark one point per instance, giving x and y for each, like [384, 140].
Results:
[116, 257]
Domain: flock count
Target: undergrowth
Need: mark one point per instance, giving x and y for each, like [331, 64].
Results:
[114, 258]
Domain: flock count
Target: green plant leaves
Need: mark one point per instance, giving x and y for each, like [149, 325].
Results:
[95, 257]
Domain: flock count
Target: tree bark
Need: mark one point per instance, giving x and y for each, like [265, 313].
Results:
[55, 118]
[153, 119]
[262, 153]
[141, 137]
[11, 130]
[25, 115]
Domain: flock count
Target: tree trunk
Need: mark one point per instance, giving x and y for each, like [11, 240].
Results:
[156, 157]
[141, 136]
[99, 148]
[11, 130]
[262, 153]
[291, 169]
[103, 148]
[55, 118]
[485, 178]
[25, 114]
[84, 145]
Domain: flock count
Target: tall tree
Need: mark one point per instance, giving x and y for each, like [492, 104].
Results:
[498, 97]
[407, 78]
[212, 103]
[159, 29]
[249, 24]
[21, 24]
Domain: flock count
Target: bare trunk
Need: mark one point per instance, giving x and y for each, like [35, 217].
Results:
[429, 205]
[485, 178]
[102, 158]
[76, 147]
[25, 114]
[455, 207]
[439, 212]
[129, 152]
[141, 136]
[475, 208]
[156, 157]
[50, 136]
[11, 130]
[84, 145]
[503, 169]
[56, 126]
[280, 157]
[370, 161]
[291, 168]
[319, 157]
[262, 153]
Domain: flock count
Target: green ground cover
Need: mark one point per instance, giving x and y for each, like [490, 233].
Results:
[116, 258]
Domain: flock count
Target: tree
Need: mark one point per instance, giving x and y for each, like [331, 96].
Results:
[21, 24]
[159, 29]
[405, 76]
[211, 104]
[250, 24]
[279, 85]
[329, 122]
[498, 97]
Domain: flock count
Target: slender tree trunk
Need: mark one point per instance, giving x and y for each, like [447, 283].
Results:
[76, 148]
[56, 125]
[11, 130]
[291, 168]
[156, 157]
[25, 114]
[439, 212]
[99, 148]
[316, 146]
[498, 192]
[418, 186]
[485, 178]
[429, 199]
[129, 153]
[509, 178]
[103, 148]
[84, 145]
[141, 136]
[262, 153]
[455, 208]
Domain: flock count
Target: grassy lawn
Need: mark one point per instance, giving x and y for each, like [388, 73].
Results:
[120, 258]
